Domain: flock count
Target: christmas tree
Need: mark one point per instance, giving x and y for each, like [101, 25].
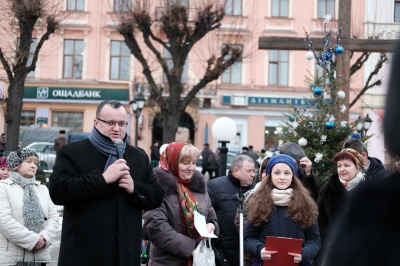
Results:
[320, 127]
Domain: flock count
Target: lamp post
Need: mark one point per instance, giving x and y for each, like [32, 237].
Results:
[363, 125]
[224, 129]
[137, 105]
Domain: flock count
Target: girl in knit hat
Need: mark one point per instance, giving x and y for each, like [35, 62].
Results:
[4, 170]
[334, 195]
[282, 207]
[28, 217]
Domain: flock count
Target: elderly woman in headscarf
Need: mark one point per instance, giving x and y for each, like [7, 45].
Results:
[170, 227]
[333, 197]
[28, 217]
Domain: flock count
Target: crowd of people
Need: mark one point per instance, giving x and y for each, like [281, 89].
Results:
[108, 187]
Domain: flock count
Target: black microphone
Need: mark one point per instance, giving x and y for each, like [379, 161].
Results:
[120, 148]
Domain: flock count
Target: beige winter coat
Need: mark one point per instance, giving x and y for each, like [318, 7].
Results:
[14, 236]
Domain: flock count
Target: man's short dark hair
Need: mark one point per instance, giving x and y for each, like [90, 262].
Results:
[355, 144]
[112, 103]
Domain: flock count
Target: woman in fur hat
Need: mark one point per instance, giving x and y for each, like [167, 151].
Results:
[281, 206]
[334, 195]
[28, 217]
[170, 227]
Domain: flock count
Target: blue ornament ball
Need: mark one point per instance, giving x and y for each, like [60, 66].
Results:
[339, 49]
[327, 55]
[318, 91]
[329, 124]
[292, 118]
[355, 136]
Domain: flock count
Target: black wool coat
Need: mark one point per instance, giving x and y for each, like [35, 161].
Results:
[102, 224]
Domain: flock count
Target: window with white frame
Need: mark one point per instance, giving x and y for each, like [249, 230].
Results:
[73, 59]
[75, 5]
[279, 8]
[122, 5]
[233, 7]
[233, 74]
[68, 119]
[397, 11]
[326, 7]
[168, 59]
[278, 67]
[119, 60]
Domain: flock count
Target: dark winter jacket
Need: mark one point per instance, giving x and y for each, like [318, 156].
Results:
[209, 162]
[169, 246]
[332, 201]
[310, 183]
[369, 234]
[376, 169]
[102, 224]
[282, 225]
[223, 193]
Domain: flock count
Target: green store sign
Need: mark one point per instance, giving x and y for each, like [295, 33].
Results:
[75, 94]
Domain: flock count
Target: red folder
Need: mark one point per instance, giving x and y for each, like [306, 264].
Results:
[283, 245]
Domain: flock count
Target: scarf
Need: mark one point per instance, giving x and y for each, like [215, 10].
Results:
[354, 182]
[104, 145]
[187, 201]
[281, 197]
[32, 211]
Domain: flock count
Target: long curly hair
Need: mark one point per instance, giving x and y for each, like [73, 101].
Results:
[302, 207]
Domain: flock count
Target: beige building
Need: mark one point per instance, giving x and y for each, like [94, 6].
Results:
[87, 61]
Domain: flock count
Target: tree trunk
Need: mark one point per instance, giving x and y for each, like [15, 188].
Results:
[13, 111]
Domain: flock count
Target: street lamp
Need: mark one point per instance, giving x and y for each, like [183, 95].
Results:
[224, 130]
[137, 105]
[363, 125]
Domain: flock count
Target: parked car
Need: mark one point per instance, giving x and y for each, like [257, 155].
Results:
[46, 152]
[229, 159]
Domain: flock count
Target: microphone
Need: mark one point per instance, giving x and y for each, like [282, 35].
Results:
[120, 148]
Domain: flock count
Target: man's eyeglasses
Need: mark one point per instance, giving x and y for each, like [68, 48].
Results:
[113, 124]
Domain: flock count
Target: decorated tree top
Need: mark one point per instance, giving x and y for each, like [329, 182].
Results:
[319, 127]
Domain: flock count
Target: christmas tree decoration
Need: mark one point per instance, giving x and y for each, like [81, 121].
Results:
[292, 118]
[318, 157]
[355, 136]
[343, 108]
[309, 55]
[318, 91]
[329, 124]
[339, 49]
[341, 94]
[302, 142]
[314, 129]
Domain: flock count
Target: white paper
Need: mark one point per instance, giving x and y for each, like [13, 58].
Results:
[201, 226]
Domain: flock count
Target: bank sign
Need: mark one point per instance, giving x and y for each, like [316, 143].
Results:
[75, 94]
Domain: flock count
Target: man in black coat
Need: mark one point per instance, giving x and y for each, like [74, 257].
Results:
[103, 194]
[368, 234]
[373, 167]
[224, 193]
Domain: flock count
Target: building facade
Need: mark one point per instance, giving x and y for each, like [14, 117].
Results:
[87, 61]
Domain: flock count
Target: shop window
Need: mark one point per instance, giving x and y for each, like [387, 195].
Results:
[72, 120]
[271, 140]
[397, 11]
[122, 5]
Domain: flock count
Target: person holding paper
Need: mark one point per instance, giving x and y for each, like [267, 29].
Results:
[171, 227]
[281, 206]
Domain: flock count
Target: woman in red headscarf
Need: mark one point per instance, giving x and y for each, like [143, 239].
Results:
[170, 227]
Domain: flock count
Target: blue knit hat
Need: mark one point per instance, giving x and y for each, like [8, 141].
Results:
[282, 158]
